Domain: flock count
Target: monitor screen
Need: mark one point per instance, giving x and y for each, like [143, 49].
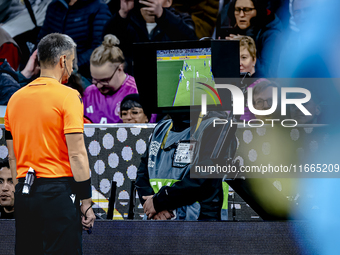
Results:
[172, 76]
[183, 75]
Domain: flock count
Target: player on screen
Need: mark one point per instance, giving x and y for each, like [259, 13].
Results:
[205, 63]
[190, 68]
[188, 84]
[183, 76]
[197, 74]
[180, 77]
[209, 63]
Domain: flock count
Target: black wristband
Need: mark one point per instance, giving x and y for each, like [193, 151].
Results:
[83, 189]
[8, 135]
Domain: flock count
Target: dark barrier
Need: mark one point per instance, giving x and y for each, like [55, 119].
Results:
[150, 237]
[114, 152]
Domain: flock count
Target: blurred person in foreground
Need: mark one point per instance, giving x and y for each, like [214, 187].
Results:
[110, 83]
[44, 133]
[295, 36]
[6, 191]
[131, 110]
[314, 106]
[319, 58]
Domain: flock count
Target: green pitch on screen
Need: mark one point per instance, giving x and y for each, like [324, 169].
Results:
[168, 83]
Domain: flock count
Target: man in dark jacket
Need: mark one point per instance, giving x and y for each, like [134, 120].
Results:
[153, 21]
[167, 187]
[83, 21]
[11, 81]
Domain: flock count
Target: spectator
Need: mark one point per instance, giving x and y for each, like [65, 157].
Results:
[300, 10]
[83, 21]
[319, 105]
[203, 13]
[11, 81]
[75, 82]
[263, 99]
[247, 55]
[9, 49]
[250, 17]
[110, 83]
[6, 191]
[131, 111]
[281, 9]
[296, 37]
[156, 22]
[247, 65]
[313, 106]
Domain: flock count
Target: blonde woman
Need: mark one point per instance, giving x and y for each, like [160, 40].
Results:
[247, 65]
[247, 55]
[110, 83]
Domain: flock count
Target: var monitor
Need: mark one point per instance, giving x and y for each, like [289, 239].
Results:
[172, 76]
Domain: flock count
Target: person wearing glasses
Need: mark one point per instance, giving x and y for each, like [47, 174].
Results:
[263, 99]
[251, 18]
[131, 110]
[110, 83]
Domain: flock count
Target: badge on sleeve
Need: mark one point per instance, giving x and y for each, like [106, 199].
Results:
[184, 153]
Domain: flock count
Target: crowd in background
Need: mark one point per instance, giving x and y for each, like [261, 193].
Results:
[279, 37]
[270, 35]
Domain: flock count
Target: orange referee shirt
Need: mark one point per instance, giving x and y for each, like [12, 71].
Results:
[38, 117]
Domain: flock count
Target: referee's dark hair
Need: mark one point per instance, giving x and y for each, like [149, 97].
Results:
[52, 46]
[4, 163]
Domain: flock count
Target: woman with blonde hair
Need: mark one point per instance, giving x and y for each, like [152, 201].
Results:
[247, 65]
[247, 55]
[110, 83]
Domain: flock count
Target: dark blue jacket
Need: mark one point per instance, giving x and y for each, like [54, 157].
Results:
[8, 82]
[268, 45]
[83, 22]
[171, 26]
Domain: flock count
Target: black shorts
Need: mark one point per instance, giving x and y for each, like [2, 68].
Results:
[48, 221]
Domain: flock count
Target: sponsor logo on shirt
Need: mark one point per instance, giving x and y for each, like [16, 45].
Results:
[117, 110]
[89, 109]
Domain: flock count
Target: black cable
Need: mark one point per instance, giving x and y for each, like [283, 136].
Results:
[89, 231]
[87, 210]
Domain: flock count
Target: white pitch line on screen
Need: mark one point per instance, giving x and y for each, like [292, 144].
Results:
[193, 87]
[205, 77]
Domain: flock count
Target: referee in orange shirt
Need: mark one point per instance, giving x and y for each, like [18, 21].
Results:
[44, 132]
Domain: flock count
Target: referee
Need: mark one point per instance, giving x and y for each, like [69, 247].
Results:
[44, 133]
